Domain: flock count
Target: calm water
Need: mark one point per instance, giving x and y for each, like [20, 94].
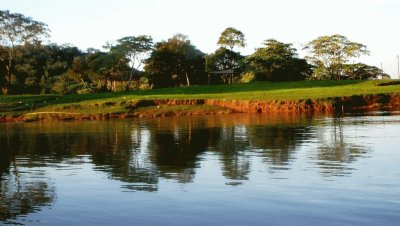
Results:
[212, 170]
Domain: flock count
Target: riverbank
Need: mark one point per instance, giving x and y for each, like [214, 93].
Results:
[305, 96]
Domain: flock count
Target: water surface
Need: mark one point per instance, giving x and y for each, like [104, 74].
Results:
[216, 170]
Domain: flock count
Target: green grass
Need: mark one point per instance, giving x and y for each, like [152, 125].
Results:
[97, 103]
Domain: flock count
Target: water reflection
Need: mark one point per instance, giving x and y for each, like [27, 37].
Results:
[22, 191]
[141, 152]
[337, 149]
[280, 142]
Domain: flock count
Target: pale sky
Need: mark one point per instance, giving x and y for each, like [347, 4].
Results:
[91, 23]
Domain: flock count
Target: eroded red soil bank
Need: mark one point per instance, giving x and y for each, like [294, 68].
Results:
[133, 109]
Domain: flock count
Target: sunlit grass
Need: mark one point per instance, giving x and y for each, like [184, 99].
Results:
[97, 103]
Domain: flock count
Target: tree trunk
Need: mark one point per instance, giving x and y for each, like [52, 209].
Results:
[137, 84]
[113, 85]
[8, 67]
[106, 82]
[85, 84]
[187, 79]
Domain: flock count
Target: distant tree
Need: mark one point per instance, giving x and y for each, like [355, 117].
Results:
[80, 69]
[112, 65]
[36, 65]
[30, 68]
[17, 29]
[363, 71]
[232, 37]
[176, 62]
[330, 53]
[3, 66]
[278, 61]
[135, 50]
[224, 59]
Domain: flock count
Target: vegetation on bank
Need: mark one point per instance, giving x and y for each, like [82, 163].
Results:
[29, 64]
[124, 102]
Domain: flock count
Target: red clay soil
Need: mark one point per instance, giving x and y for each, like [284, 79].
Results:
[328, 105]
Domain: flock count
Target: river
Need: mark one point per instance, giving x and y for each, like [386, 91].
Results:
[238, 169]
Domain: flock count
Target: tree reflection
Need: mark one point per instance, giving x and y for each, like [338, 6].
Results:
[140, 152]
[177, 147]
[232, 150]
[278, 140]
[278, 143]
[19, 193]
[4, 160]
[119, 152]
[336, 151]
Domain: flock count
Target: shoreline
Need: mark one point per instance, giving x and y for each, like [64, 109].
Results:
[179, 107]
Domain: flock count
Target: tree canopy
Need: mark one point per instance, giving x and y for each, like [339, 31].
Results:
[278, 61]
[330, 53]
[17, 29]
[231, 37]
[134, 50]
[30, 64]
[176, 62]
[224, 59]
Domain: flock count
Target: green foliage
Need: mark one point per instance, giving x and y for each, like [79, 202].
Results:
[224, 59]
[28, 66]
[18, 29]
[15, 30]
[363, 71]
[232, 37]
[35, 65]
[133, 51]
[278, 61]
[330, 53]
[175, 62]
[247, 77]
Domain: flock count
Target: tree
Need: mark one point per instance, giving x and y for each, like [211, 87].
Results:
[80, 68]
[224, 59]
[112, 65]
[278, 61]
[231, 37]
[176, 62]
[363, 71]
[3, 68]
[36, 66]
[330, 53]
[135, 50]
[17, 29]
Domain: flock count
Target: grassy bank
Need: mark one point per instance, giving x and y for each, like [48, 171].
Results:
[122, 102]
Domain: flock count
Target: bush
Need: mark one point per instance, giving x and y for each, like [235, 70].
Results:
[248, 77]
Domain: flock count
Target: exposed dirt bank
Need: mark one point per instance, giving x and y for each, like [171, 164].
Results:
[329, 105]
[170, 107]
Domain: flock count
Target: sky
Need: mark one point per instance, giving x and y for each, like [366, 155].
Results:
[92, 23]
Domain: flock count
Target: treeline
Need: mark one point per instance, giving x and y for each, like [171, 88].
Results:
[29, 65]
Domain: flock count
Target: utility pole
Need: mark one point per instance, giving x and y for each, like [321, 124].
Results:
[398, 67]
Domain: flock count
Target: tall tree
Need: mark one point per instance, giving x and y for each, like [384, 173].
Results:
[112, 65]
[278, 61]
[80, 68]
[231, 38]
[176, 62]
[330, 53]
[135, 50]
[17, 29]
[224, 59]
